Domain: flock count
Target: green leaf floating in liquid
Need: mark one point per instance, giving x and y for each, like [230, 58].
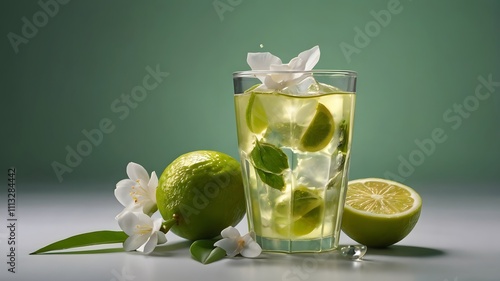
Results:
[85, 239]
[268, 158]
[273, 180]
[205, 252]
[269, 162]
[343, 136]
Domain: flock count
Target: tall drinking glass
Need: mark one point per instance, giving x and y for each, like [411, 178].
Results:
[294, 150]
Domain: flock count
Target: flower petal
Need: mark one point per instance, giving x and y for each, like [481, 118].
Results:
[157, 224]
[151, 244]
[281, 76]
[135, 241]
[297, 64]
[148, 207]
[153, 181]
[128, 222]
[262, 60]
[144, 220]
[122, 191]
[137, 172]
[162, 238]
[230, 232]
[251, 249]
[152, 185]
[132, 208]
[280, 67]
[229, 245]
[310, 57]
[271, 84]
[302, 87]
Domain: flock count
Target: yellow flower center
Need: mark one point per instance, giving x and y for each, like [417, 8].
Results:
[138, 192]
[241, 244]
[143, 229]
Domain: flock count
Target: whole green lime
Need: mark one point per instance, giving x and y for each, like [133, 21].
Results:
[203, 191]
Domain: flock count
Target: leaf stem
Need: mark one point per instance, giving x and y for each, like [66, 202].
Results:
[166, 225]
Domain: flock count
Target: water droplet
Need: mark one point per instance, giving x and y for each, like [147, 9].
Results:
[261, 46]
[353, 252]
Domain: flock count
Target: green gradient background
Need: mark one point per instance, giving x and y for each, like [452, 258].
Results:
[63, 81]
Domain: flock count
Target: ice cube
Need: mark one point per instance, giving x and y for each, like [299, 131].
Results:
[312, 169]
[276, 108]
[335, 104]
[288, 121]
[292, 158]
[301, 88]
[304, 111]
[325, 88]
[317, 88]
[283, 134]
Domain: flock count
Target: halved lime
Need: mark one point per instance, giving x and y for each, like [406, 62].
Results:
[319, 132]
[299, 216]
[256, 115]
[380, 212]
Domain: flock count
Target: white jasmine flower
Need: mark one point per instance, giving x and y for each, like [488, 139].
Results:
[143, 231]
[138, 193]
[233, 243]
[288, 76]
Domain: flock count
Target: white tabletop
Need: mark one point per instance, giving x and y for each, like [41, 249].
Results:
[455, 239]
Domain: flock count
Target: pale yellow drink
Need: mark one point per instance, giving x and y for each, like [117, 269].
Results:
[295, 152]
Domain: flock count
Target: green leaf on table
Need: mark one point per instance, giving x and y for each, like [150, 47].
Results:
[205, 252]
[268, 158]
[85, 239]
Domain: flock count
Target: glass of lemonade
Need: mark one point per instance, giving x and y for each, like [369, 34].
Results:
[295, 150]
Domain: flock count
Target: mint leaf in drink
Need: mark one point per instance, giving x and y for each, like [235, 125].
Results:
[269, 162]
[268, 158]
[273, 180]
[343, 136]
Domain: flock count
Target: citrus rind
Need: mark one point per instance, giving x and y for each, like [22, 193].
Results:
[380, 230]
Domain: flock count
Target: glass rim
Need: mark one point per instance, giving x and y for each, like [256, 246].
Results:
[327, 72]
